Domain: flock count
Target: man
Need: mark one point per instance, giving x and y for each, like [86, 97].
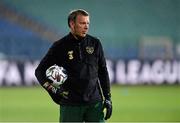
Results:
[86, 92]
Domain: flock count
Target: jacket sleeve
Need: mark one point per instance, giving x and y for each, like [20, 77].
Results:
[48, 60]
[103, 73]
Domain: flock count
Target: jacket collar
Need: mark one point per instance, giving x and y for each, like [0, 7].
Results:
[72, 38]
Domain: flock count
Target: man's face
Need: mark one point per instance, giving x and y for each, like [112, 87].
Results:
[80, 26]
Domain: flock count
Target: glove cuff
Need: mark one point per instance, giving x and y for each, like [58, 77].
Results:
[49, 87]
[107, 96]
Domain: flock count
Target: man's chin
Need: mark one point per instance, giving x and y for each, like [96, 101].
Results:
[83, 35]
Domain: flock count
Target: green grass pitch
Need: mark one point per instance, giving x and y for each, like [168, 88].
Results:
[130, 103]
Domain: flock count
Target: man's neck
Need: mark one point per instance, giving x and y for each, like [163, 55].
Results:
[77, 37]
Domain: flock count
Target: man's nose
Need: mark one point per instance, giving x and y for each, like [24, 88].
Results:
[86, 26]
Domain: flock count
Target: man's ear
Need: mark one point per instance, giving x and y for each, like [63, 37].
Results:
[71, 25]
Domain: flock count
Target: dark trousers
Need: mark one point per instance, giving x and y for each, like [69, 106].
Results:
[82, 113]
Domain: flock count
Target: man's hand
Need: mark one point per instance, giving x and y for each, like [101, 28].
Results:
[56, 90]
[62, 93]
[108, 107]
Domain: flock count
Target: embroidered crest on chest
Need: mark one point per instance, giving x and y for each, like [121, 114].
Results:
[89, 50]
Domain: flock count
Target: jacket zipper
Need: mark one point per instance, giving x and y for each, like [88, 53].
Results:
[80, 52]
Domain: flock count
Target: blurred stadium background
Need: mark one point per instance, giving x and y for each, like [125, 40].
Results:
[141, 39]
